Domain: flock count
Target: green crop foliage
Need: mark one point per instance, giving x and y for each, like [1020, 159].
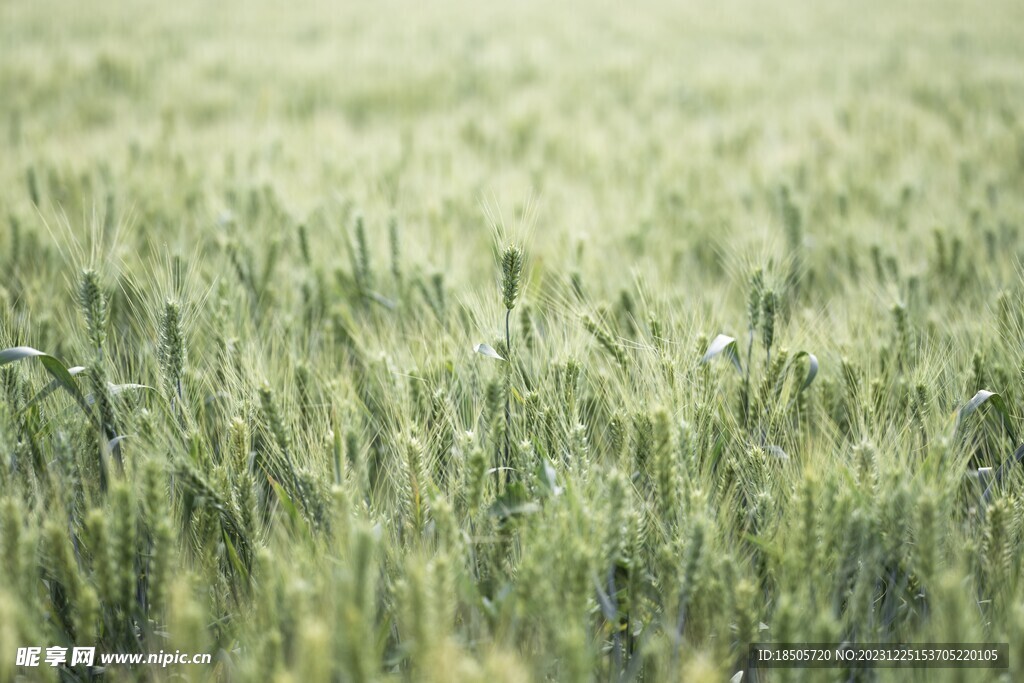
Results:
[519, 341]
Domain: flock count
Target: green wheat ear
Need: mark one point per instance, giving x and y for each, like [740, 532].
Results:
[172, 347]
[754, 298]
[94, 308]
[768, 303]
[395, 241]
[511, 274]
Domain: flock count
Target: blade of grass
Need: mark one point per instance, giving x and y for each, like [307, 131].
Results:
[996, 400]
[50, 388]
[487, 350]
[57, 370]
[723, 344]
[812, 368]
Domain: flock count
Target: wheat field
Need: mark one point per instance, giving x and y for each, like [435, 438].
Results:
[509, 342]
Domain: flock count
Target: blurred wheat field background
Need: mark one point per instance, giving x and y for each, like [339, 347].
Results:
[383, 340]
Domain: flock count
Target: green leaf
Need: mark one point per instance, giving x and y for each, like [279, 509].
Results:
[812, 367]
[723, 344]
[18, 353]
[51, 387]
[548, 478]
[513, 503]
[288, 505]
[57, 370]
[608, 609]
[116, 389]
[236, 561]
[1017, 457]
[996, 400]
[486, 350]
[381, 300]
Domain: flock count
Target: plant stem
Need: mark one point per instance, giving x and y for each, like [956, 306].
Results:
[508, 385]
[746, 380]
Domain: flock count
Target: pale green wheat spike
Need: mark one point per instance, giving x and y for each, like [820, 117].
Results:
[745, 603]
[172, 347]
[87, 615]
[104, 402]
[903, 340]
[921, 403]
[998, 546]
[657, 331]
[865, 459]
[356, 609]
[579, 447]
[978, 378]
[927, 542]
[475, 471]
[437, 287]
[808, 526]
[418, 620]
[690, 577]
[511, 274]
[851, 377]
[364, 276]
[768, 302]
[221, 341]
[628, 310]
[305, 390]
[792, 219]
[771, 381]
[243, 491]
[643, 440]
[14, 257]
[617, 514]
[157, 563]
[32, 181]
[356, 461]
[446, 526]
[756, 292]
[570, 386]
[442, 437]
[239, 444]
[605, 339]
[304, 245]
[941, 254]
[876, 262]
[60, 571]
[98, 540]
[493, 399]
[94, 308]
[415, 489]
[665, 467]
[617, 435]
[60, 560]
[893, 266]
[526, 327]
[955, 252]
[1005, 310]
[275, 422]
[339, 466]
[894, 505]
[312, 648]
[395, 240]
[123, 546]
